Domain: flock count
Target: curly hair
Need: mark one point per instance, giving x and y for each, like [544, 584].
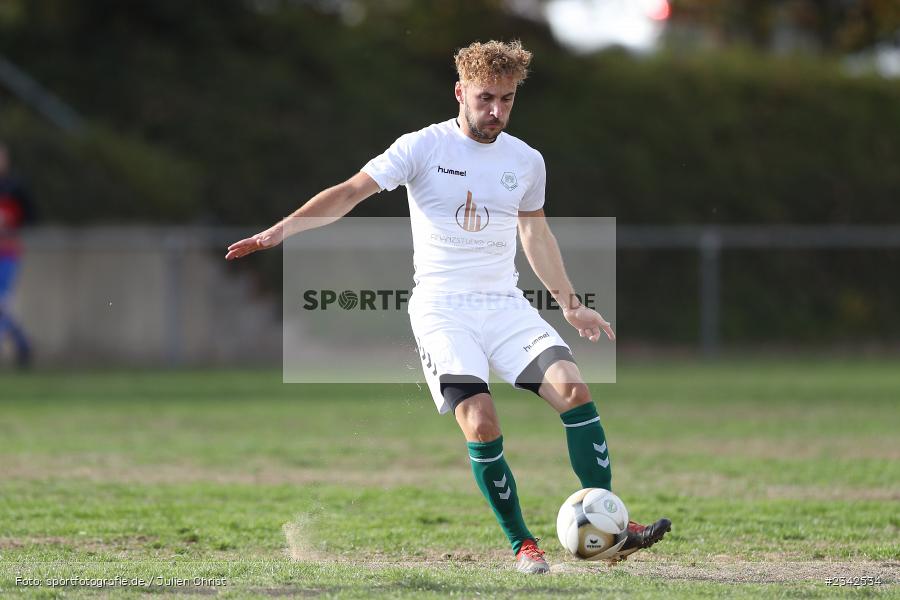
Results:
[493, 60]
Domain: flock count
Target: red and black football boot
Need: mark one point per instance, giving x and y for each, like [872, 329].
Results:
[641, 537]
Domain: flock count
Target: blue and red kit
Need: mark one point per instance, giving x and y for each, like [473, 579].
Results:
[16, 210]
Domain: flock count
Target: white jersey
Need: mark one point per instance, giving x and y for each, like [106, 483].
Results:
[464, 199]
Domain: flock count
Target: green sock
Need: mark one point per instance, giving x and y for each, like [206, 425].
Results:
[496, 482]
[587, 446]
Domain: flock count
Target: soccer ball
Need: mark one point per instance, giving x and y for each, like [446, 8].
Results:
[592, 524]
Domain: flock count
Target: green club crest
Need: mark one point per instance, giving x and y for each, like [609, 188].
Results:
[610, 506]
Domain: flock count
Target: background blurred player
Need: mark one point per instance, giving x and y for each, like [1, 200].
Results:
[16, 210]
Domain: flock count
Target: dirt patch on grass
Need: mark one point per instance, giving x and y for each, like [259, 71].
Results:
[718, 569]
[770, 568]
[724, 569]
[536, 478]
[716, 485]
[123, 547]
[301, 535]
[115, 469]
[15, 543]
[800, 492]
[799, 447]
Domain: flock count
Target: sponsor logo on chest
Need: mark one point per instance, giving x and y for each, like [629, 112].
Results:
[474, 218]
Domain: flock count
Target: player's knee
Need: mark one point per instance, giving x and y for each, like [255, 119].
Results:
[576, 394]
[484, 430]
[478, 419]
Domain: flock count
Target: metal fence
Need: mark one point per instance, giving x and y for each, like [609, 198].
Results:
[710, 241]
[142, 296]
[163, 295]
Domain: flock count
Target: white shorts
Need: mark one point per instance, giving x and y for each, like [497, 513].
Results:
[474, 341]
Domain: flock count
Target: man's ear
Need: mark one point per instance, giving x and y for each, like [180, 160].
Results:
[458, 92]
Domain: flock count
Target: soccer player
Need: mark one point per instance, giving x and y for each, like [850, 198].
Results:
[15, 211]
[471, 187]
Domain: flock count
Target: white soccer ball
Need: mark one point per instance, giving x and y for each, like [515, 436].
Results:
[592, 524]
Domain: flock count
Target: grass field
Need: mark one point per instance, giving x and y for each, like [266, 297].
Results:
[777, 475]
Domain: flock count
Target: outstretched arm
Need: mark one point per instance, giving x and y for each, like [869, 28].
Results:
[325, 207]
[543, 255]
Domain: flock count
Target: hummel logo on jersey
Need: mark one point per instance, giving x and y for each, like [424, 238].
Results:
[451, 171]
[471, 220]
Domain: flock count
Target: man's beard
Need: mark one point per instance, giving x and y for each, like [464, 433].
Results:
[473, 127]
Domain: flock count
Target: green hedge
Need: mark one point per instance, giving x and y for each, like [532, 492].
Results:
[256, 111]
[218, 113]
[735, 139]
[101, 175]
